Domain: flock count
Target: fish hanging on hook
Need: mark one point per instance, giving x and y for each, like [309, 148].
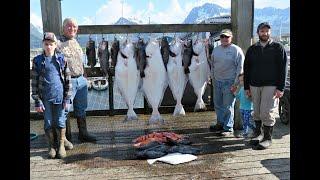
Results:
[103, 55]
[91, 52]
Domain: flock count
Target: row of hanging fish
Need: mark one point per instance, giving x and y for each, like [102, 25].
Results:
[103, 55]
[155, 65]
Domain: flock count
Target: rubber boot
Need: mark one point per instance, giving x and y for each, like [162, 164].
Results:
[68, 129]
[267, 138]
[67, 144]
[62, 136]
[84, 136]
[68, 140]
[51, 148]
[257, 135]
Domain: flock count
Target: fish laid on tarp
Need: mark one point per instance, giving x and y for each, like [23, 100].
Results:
[177, 78]
[174, 158]
[155, 82]
[91, 53]
[103, 55]
[162, 137]
[127, 78]
[199, 73]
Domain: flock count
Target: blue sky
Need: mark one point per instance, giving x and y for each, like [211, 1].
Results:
[160, 11]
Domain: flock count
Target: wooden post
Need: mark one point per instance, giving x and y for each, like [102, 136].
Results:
[51, 16]
[110, 82]
[242, 22]
[242, 28]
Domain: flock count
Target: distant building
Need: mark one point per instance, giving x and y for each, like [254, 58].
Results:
[217, 20]
[214, 36]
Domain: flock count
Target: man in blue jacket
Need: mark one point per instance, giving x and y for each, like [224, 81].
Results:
[265, 71]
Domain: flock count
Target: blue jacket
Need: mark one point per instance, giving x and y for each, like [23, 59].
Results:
[37, 77]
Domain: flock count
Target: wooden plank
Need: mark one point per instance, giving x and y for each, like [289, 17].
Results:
[51, 16]
[245, 169]
[113, 152]
[151, 28]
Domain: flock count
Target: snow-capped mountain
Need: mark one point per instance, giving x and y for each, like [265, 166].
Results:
[279, 19]
[35, 37]
[124, 21]
[205, 11]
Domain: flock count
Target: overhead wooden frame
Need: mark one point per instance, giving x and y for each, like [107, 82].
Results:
[151, 28]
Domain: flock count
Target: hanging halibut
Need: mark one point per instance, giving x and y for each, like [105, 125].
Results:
[199, 73]
[127, 78]
[154, 82]
[177, 77]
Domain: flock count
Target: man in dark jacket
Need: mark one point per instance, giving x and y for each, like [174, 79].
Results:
[265, 71]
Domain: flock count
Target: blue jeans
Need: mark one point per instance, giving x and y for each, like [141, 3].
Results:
[246, 118]
[79, 96]
[53, 115]
[224, 103]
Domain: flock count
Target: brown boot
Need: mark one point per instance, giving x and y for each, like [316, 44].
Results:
[84, 136]
[50, 138]
[62, 137]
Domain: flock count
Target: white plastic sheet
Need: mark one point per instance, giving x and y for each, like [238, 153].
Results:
[174, 158]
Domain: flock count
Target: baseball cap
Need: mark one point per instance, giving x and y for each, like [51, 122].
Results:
[226, 32]
[262, 25]
[49, 36]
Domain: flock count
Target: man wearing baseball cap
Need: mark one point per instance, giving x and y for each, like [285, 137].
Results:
[70, 47]
[227, 64]
[265, 71]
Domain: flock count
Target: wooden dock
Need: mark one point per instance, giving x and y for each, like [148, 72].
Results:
[112, 157]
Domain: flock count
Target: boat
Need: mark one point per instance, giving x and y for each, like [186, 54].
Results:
[100, 83]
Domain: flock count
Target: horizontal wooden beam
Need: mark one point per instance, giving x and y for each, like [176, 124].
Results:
[151, 28]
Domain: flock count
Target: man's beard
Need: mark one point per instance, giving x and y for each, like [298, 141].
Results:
[264, 38]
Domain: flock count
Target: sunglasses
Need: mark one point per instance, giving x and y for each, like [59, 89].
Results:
[224, 36]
